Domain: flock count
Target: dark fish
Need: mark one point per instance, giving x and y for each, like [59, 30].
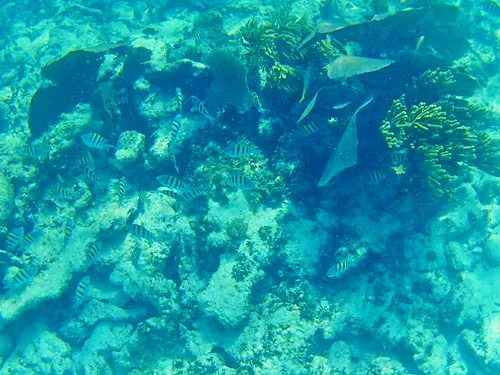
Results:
[239, 150]
[140, 232]
[85, 160]
[310, 128]
[199, 107]
[89, 173]
[170, 193]
[135, 256]
[491, 7]
[29, 239]
[23, 276]
[176, 127]
[375, 177]
[473, 220]
[92, 253]
[122, 188]
[171, 182]
[241, 182]
[179, 98]
[68, 231]
[81, 293]
[337, 269]
[14, 238]
[94, 140]
[191, 194]
[64, 193]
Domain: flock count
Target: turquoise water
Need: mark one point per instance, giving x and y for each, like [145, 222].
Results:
[250, 187]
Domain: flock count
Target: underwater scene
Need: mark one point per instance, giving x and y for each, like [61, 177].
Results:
[240, 187]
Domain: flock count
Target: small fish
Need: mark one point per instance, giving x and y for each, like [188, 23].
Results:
[176, 127]
[310, 128]
[239, 150]
[179, 98]
[85, 160]
[191, 194]
[307, 78]
[141, 203]
[22, 277]
[420, 41]
[491, 7]
[89, 173]
[122, 188]
[337, 269]
[28, 239]
[399, 157]
[14, 238]
[68, 231]
[140, 232]
[257, 103]
[97, 141]
[169, 193]
[64, 193]
[34, 152]
[241, 182]
[198, 37]
[135, 256]
[472, 220]
[82, 290]
[92, 253]
[375, 177]
[339, 106]
[199, 107]
[171, 182]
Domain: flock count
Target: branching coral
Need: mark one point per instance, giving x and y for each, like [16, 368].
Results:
[440, 148]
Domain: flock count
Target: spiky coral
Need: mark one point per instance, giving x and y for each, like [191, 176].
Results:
[441, 149]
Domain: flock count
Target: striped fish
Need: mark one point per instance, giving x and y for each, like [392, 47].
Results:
[82, 290]
[309, 128]
[68, 231]
[92, 253]
[190, 194]
[140, 232]
[171, 182]
[200, 108]
[22, 277]
[176, 127]
[64, 193]
[399, 156]
[241, 182]
[198, 37]
[35, 152]
[122, 188]
[472, 220]
[257, 103]
[28, 239]
[85, 160]
[14, 238]
[135, 256]
[239, 150]
[97, 141]
[337, 269]
[491, 7]
[89, 173]
[179, 98]
[170, 193]
[375, 177]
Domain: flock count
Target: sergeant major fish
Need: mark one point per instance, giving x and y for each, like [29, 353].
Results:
[14, 238]
[239, 150]
[241, 182]
[97, 141]
[200, 108]
[171, 182]
[491, 7]
[337, 269]
[92, 253]
[68, 230]
[82, 290]
[140, 232]
[179, 98]
[22, 277]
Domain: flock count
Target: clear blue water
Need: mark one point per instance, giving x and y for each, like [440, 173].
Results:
[245, 187]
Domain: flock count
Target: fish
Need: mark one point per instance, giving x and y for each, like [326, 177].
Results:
[122, 188]
[307, 78]
[200, 108]
[310, 128]
[241, 182]
[140, 232]
[340, 106]
[472, 220]
[337, 269]
[28, 239]
[64, 193]
[198, 37]
[310, 106]
[97, 141]
[92, 253]
[85, 160]
[22, 277]
[375, 177]
[256, 102]
[171, 182]
[239, 150]
[420, 41]
[399, 157]
[179, 98]
[491, 7]
[169, 193]
[32, 151]
[82, 290]
[90, 174]
[68, 231]
[141, 203]
[135, 256]
[191, 194]
[14, 238]
[349, 66]
[176, 127]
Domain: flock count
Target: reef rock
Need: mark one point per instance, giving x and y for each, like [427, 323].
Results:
[130, 148]
[6, 199]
